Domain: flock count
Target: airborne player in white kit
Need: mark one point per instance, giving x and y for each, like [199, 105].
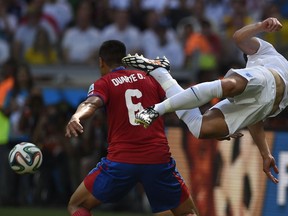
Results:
[254, 93]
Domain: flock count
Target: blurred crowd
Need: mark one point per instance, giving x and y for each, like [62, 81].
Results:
[191, 33]
[195, 35]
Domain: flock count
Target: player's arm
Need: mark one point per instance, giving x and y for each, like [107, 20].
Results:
[258, 134]
[85, 110]
[245, 37]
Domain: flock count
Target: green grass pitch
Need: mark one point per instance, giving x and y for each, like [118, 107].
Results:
[55, 212]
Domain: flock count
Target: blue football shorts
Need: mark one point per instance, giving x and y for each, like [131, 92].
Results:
[165, 188]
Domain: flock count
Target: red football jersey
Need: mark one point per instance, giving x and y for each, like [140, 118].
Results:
[124, 93]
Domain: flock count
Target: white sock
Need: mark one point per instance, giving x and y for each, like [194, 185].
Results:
[168, 84]
[192, 117]
[193, 97]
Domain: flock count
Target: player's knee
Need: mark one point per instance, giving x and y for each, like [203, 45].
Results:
[229, 86]
[233, 86]
[205, 133]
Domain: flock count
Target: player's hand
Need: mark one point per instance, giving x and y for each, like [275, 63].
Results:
[271, 25]
[234, 136]
[269, 162]
[74, 127]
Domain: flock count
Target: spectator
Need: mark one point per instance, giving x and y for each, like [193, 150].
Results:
[16, 8]
[81, 42]
[4, 166]
[15, 101]
[137, 15]
[283, 7]
[39, 6]
[214, 11]
[237, 18]
[255, 8]
[160, 41]
[121, 5]
[60, 10]
[152, 20]
[42, 51]
[33, 110]
[278, 39]
[195, 46]
[150, 5]
[4, 51]
[8, 22]
[101, 15]
[210, 63]
[198, 10]
[208, 31]
[7, 76]
[175, 14]
[13, 109]
[121, 29]
[25, 34]
[54, 176]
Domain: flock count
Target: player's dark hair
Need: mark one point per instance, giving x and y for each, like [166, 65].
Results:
[112, 52]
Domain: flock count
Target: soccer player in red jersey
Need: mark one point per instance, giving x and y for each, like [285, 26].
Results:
[135, 155]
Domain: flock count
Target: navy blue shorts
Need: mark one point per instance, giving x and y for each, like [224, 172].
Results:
[165, 188]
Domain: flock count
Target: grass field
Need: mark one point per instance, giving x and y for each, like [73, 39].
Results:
[55, 212]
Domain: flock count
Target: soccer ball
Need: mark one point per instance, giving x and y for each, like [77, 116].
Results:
[25, 157]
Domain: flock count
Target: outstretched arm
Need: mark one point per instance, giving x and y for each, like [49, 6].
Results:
[245, 37]
[85, 110]
[258, 134]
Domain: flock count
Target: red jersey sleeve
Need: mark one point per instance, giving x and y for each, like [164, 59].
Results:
[99, 88]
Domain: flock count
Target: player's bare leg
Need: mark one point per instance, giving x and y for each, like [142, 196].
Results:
[194, 97]
[213, 125]
[81, 202]
[187, 208]
[189, 98]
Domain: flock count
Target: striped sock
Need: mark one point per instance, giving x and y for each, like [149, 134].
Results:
[82, 212]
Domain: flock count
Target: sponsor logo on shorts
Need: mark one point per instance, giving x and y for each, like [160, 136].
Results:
[248, 75]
